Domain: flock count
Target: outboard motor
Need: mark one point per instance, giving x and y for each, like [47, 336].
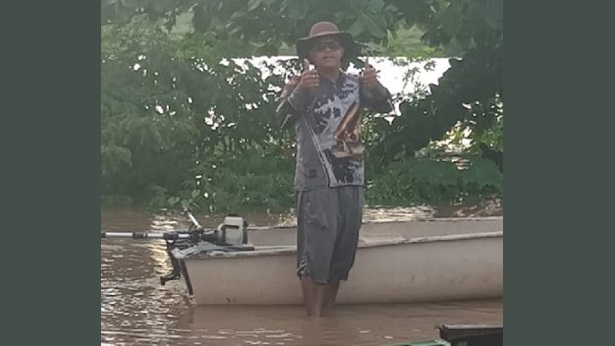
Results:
[173, 242]
[232, 232]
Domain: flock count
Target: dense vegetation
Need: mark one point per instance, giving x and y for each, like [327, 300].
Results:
[184, 123]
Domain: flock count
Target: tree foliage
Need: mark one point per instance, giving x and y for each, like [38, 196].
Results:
[183, 122]
[169, 107]
[263, 24]
[471, 91]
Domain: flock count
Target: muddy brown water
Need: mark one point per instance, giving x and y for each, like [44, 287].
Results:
[137, 310]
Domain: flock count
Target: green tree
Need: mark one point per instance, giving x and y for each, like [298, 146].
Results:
[179, 126]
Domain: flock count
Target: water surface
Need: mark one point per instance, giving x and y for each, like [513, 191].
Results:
[137, 310]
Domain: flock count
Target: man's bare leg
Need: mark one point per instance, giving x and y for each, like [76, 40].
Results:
[330, 295]
[313, 296]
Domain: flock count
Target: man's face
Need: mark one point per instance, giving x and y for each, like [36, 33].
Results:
[327, 52]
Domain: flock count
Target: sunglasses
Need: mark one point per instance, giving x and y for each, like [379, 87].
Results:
[322, 46]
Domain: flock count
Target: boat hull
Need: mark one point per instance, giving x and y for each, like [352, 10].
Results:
[388, 269]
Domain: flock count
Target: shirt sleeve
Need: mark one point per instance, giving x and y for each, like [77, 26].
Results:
[291, 103]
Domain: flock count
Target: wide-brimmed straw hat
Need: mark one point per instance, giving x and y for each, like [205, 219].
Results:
[322, 29]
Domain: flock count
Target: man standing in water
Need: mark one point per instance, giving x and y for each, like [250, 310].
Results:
[324, 105]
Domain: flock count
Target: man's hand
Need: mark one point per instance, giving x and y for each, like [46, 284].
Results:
[293, 82]
[309, 78]
[370, 77]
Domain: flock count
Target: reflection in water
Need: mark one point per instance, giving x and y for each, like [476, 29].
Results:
[137, 310]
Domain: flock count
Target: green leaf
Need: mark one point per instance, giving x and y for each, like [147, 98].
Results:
[129, 3]
[375, 6]
[356, 28]
[297, 9]
[253, 4]
[450, 24]
[163, 6]
[342, 15]
[381, 22]
[372, 26]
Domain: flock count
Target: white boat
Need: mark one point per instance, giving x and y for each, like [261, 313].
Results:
[397, 262]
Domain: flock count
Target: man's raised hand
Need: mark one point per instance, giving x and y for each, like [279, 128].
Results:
[309, 78]
[370, 77]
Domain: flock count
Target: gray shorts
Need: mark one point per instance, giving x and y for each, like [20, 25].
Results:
[328, 224]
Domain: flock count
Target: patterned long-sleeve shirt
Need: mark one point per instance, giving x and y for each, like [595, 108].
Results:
[327, 122]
